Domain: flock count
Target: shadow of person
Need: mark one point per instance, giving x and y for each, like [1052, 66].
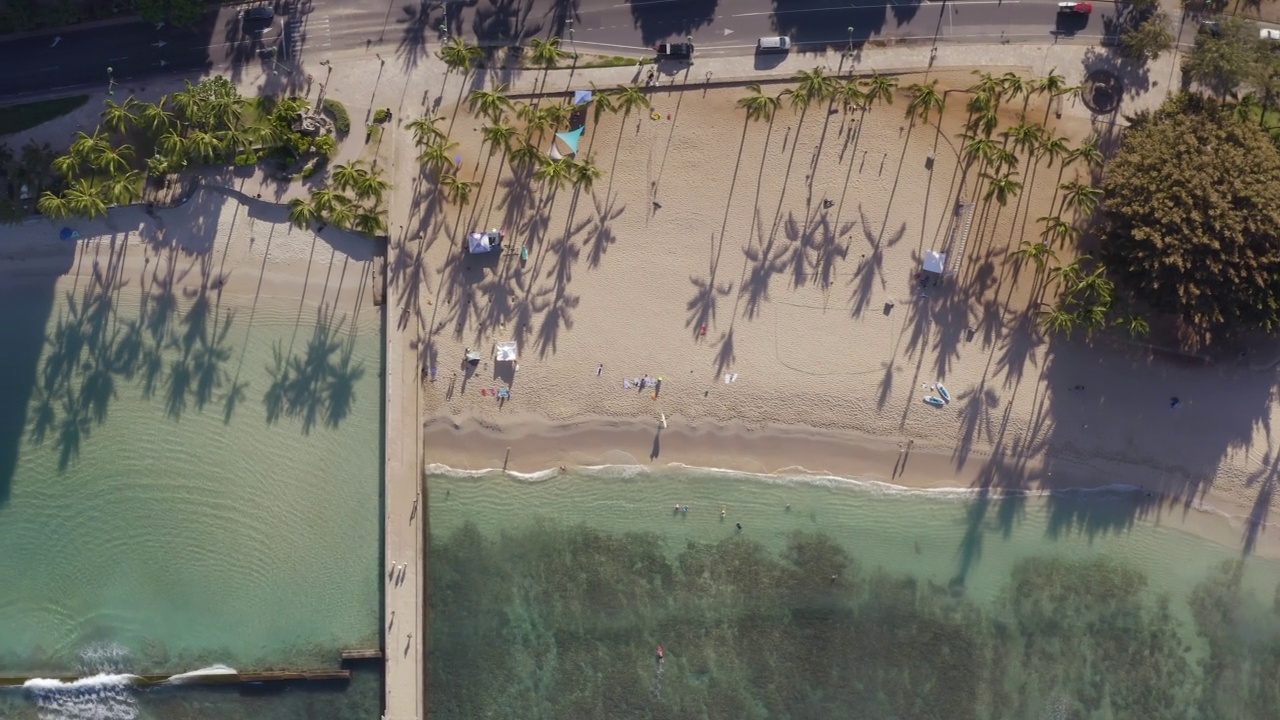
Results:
[657, 445]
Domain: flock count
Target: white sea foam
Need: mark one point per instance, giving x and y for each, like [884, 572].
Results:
[211, 671]
[106, 696]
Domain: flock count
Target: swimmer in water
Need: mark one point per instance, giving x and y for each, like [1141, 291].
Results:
[739, 526]
[722, 513]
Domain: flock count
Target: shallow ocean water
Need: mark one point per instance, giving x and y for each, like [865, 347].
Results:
[187, 481]
[549, 599]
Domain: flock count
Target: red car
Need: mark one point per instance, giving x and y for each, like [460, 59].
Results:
[1081, 8]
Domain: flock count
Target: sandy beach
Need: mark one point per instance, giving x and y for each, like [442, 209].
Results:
[707, 253]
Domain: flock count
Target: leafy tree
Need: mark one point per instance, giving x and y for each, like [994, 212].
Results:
[1081, 197]
[84, 200]
[1224, 60]
[815, 84]
[156, 116]
[760, 106]
[53, 206]
[601, 103]
[629, 97]
[458, 190]
[1038, 252]
[1053, 84]
[988, 85]
[1088, 152]
[924, 99]
[1148, 39]
[123, 188]
[1055, 228]
[119, 117]
[1054, 147]
[977, 148]
[557, 115]
[438, 156]
[345, 176]
[554, 172]
[1002, 187]
[525, 155]
[498, 136]
[1003, 157]
[324, 200]
[370, 186]
[114, 161]
[1192, 219]
[1025, 136]
[1013, 85]
[584, 173]
[491, 104]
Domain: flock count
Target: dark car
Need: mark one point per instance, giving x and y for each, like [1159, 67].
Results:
[259, 15]
[679, 51]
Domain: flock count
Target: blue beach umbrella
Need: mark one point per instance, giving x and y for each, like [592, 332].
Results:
[68, 234]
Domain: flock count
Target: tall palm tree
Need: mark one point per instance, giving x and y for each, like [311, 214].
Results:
[324, 200]
[759, 105]
[1068, 276]
[584, 173]
[980, 102]
[1002, 187]
[88, 147]
[119, 117]
[1014, 85]
[438, 156]
[1084, 198]
[458, 190]
[84, 199]
[1003, 157]
[988, 85]
[601, 103]
[984, 121]
[343, 213]
[370, 186]
[114, 160]
[525, 155]
[851, 95]
[1052, 84]
[425, 131]
[498, 136]
[1088, 152]
[1025, 136]
[204, 146]
[491, 104]
[1053, 147]
[1095, 287]
[1055, 228]
[302, 214]
[1056, 320]
[554, 172]
[53, 206]
[924, 99]
[172, 145]
[977, 147]
[458, 55]
[155, 116]
[123, 188]
[880, 88]
[629, 97]
[67, 165]
[345, 176]
[557, 115]
[369, 223]
[1038, 252]
[546, 53]
[815, 84]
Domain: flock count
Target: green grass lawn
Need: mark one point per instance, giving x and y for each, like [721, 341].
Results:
[16, 118]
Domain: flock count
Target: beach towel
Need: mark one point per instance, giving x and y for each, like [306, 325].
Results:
[504, 393]
[484, 392]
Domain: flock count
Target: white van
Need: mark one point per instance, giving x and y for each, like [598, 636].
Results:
[779, 43]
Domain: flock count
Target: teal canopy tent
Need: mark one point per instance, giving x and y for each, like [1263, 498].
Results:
[569, 140]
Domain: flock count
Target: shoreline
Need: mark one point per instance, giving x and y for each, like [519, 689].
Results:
[529, 446]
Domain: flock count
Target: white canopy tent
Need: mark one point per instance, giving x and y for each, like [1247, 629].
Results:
[505, 351]
[935, 262]
[479, 243]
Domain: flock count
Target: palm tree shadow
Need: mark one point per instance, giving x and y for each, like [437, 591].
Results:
[702, 306]
[870, 271]
[606, 212]
[975, 407]
[763, 263]
[318, 383]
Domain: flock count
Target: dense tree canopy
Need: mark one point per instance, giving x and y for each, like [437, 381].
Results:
[1231, 57]
[1192, 204]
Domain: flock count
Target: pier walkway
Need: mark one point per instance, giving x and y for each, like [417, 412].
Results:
[404, 564]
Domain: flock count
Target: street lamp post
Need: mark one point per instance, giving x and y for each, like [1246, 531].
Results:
[573, 45]
[850, 41]
[111, 82]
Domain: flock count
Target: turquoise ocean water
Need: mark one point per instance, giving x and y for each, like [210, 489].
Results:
[835, 599]
[186, 481]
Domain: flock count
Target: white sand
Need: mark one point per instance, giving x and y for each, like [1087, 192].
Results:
[700, 221]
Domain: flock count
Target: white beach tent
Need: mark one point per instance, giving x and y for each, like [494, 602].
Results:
[505, 351]
[935, 262]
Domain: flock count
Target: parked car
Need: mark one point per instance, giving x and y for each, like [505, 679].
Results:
[678, 51]
[1211, 27]
[259, 14]
[1079, 8]
[777, 43]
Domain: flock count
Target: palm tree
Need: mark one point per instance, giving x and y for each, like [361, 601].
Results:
[977, 148]
[1095, 287]
[173, 145]
[438, 156]
[114, 160]
[67, 165]
[1056, 320]
[343, 213]
[1052, 84]
[557, 115]
[554, 172]
[546, 52]
[370, 186]
[458, 55]
[1038, 252]
[1002, 187]
[1025, 136]
[1003, 157]
[815, 84]
[984, 121]
[204, 146]
[154, 115]
[324, 200]
[629, 97]
[1084, 198]
[759, 105]
[980, 102]
[458, 190]
[88, 147]
[425, 131]
[1245, 107]
[988, 85]
[53, 206]
[302, 214]
[1068, 276]
[851, 95]
[1055, 228]
[525, 155]
[1137, 326]
[1053, 147]
[924, 99]
[498, 136]
[84, 201]
[584, 173]
[345, 176]
[325, 145]
[118, 117]
[1012, 84]
[123, 189]
[491, 104]
[601, 103]
[369, 223]
[880, 88]
[1088, 152]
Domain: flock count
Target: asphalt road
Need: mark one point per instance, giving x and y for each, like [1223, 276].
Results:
[310, 32]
